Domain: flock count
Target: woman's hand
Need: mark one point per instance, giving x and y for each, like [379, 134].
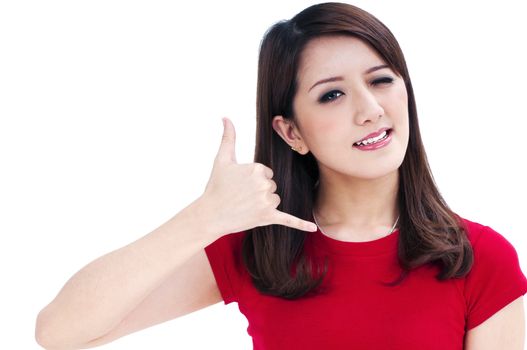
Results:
[241, 196]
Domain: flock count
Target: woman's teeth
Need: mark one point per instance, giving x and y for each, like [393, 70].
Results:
[382, 136]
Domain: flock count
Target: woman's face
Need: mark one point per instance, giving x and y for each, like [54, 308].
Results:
[353, 103]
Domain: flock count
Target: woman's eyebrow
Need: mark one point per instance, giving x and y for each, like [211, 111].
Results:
[340, 78]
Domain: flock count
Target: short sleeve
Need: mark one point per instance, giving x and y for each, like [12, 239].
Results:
[496, 278]
[224, 256]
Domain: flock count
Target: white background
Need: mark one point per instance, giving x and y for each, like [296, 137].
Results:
[111, 118]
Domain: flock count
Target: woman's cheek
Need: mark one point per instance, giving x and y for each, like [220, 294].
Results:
[402, 95]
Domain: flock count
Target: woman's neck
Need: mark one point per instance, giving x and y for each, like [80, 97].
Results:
[357, 209]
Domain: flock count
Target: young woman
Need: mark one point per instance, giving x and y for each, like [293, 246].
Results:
[388, 266]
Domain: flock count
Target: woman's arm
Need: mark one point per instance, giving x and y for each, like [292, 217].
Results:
[503, 330]
[101, 295]
[103, 300]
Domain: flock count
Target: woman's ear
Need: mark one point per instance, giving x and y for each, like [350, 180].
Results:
[289, 132]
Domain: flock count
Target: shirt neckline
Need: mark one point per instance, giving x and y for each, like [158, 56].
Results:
[380, 246]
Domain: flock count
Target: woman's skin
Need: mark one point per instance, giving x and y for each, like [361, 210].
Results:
[357, 190]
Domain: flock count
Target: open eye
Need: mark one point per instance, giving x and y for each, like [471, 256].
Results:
[330, 96]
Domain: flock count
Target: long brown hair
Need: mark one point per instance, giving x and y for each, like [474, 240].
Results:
[429, 231]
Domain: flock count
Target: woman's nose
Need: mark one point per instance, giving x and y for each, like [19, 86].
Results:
[366, 107]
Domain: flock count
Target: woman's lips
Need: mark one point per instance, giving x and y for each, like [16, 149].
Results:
[374, 134]
[376, 145]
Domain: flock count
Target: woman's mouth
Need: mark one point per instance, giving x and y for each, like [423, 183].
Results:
[375, 142]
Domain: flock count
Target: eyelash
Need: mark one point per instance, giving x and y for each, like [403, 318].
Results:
[324, 98]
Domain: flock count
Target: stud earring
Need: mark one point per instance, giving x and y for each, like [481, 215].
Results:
[298, 150]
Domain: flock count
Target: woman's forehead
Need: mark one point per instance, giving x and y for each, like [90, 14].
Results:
[336, 55]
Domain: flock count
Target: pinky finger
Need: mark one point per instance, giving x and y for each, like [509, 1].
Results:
[289, 220]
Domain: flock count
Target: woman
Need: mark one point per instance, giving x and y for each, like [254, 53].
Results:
[388, 265]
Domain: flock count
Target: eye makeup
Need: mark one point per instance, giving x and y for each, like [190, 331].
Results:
[334, 94]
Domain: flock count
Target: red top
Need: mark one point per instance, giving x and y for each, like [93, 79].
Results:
[357, 311]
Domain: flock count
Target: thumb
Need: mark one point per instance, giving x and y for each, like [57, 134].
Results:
[227, 152]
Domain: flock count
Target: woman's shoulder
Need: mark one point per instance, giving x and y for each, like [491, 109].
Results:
[232, 238]
[475, 231]
[486, 242]
[495, 278]
[231, 241]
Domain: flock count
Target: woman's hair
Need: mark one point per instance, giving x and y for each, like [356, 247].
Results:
[274, 255]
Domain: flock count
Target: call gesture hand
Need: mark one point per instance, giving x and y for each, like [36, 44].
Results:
[241, 196]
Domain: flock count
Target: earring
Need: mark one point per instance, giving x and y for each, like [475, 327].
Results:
[298, 150]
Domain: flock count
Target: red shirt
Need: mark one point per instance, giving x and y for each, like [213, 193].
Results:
[358, 312]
